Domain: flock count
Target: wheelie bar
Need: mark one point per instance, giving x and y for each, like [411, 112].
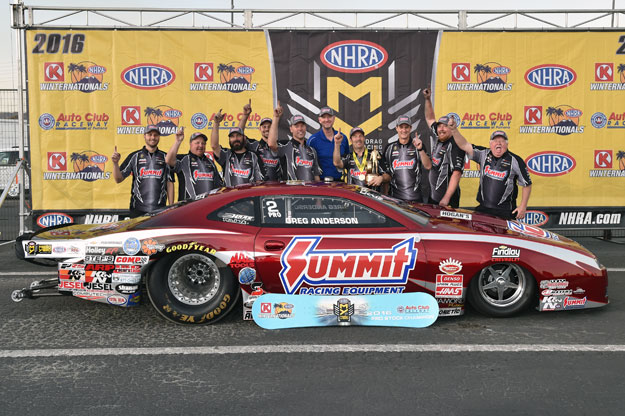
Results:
[47, 287]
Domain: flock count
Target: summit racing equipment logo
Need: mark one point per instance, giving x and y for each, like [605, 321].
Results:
[550, 163]
[604, 77]
[613, 121]
[563, 120]
[73, 121]
[354, 56]
[604, 164]
[491, 77]
[88, 166]
[234, 77]
[166, 118]
[85, 77]
[148, 76]
[302, 262]
[550, 76]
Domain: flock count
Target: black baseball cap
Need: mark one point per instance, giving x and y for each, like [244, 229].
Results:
[151, 127]
[297, 118]
[198, 134]
[403, 120]
[499, 133]
[355, 130]
[442, 120]
[265, 120]
[326, 110]
[235, 130]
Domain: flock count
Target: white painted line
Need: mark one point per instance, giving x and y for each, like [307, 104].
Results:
[7, 242]
[19, 274]
[617, 269]
[310, 349]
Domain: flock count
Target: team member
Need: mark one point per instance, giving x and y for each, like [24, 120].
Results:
[447, 160]
[323, 143]
[239, 165]
[151, 179]
[301, 161]
[197, 174]
[501, 171]
[356, 160]
[402, 163]
[270, 163]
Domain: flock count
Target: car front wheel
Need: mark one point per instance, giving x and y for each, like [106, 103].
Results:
[502, 289]
[191, 288]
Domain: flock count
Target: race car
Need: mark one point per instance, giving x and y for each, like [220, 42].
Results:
[195, 258]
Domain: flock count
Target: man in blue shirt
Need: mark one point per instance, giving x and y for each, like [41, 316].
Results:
[323, 142]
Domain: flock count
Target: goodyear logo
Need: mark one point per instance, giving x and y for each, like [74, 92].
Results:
[550, 76]
[148, 76]
[53, 218]
[354, 56]
[550, 163]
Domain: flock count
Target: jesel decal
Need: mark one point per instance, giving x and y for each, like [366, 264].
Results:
[303, 262]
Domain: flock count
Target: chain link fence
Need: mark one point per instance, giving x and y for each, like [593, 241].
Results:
[9, 155]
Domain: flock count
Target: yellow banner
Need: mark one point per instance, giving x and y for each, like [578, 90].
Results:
[560, 97]
[90, 91]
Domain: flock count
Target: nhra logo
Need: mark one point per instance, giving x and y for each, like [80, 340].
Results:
[53, 218]
[613, 121]
[550, 163]
[550, 76]
[491, 77]
[302, 262]
[536, 218]
[85, 76]
[57, 161]
[234, 77]
[148, 76]
[604, 77]
[354, 56]
[88, 166]
[563, 120]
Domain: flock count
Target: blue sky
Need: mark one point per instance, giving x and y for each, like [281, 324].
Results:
[8, 77]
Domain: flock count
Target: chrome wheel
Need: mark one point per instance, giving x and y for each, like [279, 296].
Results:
[193, 279]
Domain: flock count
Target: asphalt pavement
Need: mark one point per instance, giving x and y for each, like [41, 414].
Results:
[63, 355]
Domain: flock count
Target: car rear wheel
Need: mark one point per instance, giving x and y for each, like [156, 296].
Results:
[191, 288]
[502, 289]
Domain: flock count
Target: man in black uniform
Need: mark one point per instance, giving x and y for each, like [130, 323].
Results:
[402, 159]
[301, 162]
[197, 174]
[151, 177]
[357, 161]
[239, 165]
[501, 170]
[270, 163]
[447, 160]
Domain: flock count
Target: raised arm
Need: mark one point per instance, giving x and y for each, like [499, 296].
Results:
[247, 110]
[459, 138]
[336, 155]
[170, 158]
[425, 159]
[117, 174]
[272, 138]
[430, 117]
[215, 134]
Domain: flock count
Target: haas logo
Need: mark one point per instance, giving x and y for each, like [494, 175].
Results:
[303, 262]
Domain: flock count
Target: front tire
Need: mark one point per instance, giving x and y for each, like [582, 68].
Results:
[191, 288]
[502, 289]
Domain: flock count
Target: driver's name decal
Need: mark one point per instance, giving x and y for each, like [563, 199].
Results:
[303, 262]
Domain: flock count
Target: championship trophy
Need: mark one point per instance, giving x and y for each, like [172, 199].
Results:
[372, 165]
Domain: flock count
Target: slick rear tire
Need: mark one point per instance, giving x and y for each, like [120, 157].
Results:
[502, 289]
[192, 288]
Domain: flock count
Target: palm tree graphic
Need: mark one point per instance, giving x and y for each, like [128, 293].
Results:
[621, 70]
[620, 156]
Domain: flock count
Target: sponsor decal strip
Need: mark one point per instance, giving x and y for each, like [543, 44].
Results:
[311, 349]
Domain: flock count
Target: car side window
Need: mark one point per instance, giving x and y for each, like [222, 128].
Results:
[238, 212]
[319, 211]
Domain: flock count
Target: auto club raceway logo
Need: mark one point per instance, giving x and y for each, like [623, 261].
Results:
[74, 121]
[233, 77]
[88, 166]
[606, 167]
[166, 118]
[605, 77]
[84, 76]
[485, 121]
[491, 77]
[563, 120]
[600, 120]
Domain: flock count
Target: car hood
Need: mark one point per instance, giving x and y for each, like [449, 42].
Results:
[87, 231]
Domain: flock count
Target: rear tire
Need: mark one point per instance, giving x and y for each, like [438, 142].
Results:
[191, 288]
[502, 289]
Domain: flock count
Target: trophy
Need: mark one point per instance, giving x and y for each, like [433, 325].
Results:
[372, 165]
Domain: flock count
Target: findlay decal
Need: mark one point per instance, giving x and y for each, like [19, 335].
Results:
[303, 262]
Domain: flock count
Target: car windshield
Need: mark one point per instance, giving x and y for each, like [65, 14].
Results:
[405, 208]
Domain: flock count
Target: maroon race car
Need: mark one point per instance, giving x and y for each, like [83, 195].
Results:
[194, 259]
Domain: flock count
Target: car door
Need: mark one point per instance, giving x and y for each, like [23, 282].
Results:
[330, 245]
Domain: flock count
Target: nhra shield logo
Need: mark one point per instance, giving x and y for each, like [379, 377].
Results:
[550, 76]
[550, 163]
[354, 56]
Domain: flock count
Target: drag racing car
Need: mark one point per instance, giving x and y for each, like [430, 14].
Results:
[196, 258]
